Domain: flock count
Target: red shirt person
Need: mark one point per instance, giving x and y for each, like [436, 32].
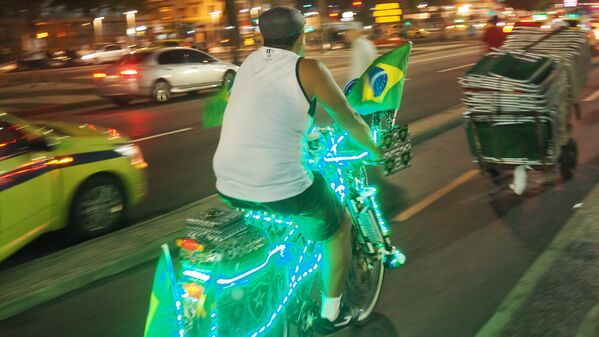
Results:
[493, 36]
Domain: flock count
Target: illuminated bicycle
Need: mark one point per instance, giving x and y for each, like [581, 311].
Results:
[251, 273]
[248, 273]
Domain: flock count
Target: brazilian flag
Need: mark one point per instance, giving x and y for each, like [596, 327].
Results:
[162, 314]
[381, 86]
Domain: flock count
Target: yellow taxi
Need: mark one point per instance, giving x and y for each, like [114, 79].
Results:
[55, 175]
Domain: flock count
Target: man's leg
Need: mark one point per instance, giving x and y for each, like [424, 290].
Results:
[336, 258]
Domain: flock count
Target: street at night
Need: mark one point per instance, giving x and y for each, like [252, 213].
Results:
[483, 259]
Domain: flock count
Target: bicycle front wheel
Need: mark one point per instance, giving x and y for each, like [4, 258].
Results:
[364, 283]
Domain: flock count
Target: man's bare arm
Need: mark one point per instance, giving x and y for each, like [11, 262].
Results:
[318, 82]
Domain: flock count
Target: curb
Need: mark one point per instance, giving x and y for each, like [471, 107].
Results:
[40, 281]
[581, 227]
[47, 278]
[43, 110]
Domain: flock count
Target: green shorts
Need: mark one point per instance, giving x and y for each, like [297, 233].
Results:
[317, 211]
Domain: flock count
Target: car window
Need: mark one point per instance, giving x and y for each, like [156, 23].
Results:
[171, 57]
[198, 57]
[134, 58]
[12, 141]
[113, 48]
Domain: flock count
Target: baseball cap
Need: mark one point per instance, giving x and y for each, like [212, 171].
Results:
[281, 22]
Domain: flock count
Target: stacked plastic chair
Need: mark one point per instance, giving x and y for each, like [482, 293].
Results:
[569, 47]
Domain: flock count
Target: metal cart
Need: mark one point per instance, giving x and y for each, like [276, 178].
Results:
[517, 112]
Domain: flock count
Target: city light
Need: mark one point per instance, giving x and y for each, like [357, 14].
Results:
[393, 5]
[570, 3]
[387, 19]
[464, 9]
[389, 12]
[130, 12]
[41, 35]
[356, 3]
[347, 16]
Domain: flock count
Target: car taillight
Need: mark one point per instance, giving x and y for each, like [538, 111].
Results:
[129, 73]
[99, 75]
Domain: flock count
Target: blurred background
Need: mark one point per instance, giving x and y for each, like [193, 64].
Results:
[55, 33]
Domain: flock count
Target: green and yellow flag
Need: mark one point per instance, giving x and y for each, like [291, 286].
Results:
[381, 86]
[162, 314]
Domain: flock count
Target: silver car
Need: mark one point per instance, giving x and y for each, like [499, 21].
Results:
[105, 53]
[159, 73]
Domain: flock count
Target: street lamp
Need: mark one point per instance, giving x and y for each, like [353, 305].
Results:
[98, 29]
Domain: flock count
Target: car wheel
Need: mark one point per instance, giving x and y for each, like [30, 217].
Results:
[95, 60]
[98, 208]
[228, 80]
[120, 101]
[161, 92]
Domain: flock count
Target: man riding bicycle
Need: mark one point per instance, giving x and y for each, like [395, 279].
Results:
[259, 163]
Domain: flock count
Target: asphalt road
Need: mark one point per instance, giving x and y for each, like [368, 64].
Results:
[467, 241]
[179, 150]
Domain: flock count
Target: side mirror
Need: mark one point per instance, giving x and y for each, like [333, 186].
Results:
[39, 144]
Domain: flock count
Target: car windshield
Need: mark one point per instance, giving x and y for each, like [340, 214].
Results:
[134, 58]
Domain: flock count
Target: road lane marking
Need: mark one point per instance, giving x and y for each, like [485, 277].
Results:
[162, 135]
[344, 66]
[430, 199]
[445, 56]
[456, 68]
[440, 47]
[592, 96]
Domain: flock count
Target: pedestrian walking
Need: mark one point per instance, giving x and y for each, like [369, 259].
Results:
[363, 50]
[494, 35]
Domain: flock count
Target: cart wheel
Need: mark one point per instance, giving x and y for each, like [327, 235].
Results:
[577, 111]
[495, 174]
[568, 159]
[574, 151]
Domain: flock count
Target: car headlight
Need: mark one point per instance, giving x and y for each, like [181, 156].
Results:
[133, 152]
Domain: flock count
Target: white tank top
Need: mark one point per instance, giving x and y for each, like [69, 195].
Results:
[260, 152]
